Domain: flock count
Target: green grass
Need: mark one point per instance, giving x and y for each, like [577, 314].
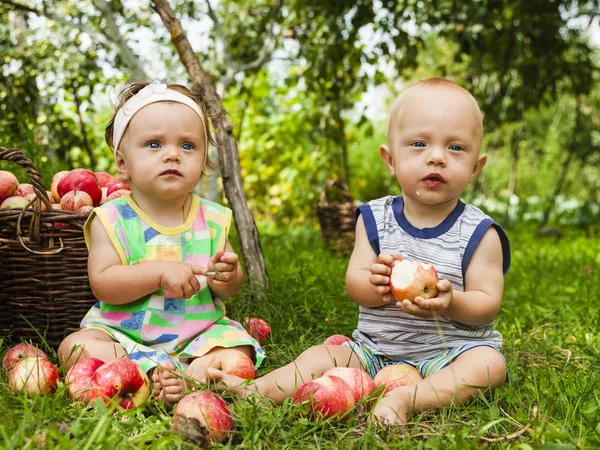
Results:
[549, 319]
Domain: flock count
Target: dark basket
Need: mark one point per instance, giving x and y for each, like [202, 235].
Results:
[44, 286]
[337, 219]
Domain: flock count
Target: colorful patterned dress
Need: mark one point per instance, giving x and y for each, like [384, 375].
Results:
[159, 326]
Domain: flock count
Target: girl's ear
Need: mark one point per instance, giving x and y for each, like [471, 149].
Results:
[386, 156]
[121, 166]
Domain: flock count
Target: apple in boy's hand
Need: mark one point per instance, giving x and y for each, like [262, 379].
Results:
[233, 362]
[336, 339]
[33, 375]
[259, 329]
[203, 416]
[396, 375]
[359, 381]
[328, 395]
[122, 380]
[413, 279]
[79, 378]
[20, 352]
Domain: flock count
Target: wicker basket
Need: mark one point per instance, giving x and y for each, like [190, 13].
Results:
[44, 287]
[337, 218]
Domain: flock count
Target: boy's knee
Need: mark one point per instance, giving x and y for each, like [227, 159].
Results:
[494, 364]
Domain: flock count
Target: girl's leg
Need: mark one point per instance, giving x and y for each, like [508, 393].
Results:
[480, 369]
[283, 382]
[89, 343]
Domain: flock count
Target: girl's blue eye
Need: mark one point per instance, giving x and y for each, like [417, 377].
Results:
[153, 144]
[187, 147]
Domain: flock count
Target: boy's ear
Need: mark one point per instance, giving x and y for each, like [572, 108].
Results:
[479, 164]
[386, 156]
[121, 166]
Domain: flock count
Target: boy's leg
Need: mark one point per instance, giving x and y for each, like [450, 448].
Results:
[479, 369]
[283, 382]
[89, 343]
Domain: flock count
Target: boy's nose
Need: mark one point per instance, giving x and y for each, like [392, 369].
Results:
[436, 156]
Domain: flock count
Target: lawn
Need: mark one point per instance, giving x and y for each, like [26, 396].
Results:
[549, 319]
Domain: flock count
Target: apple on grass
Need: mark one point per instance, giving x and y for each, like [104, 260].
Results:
[397, 375]
[410, 280]
[20, 352]
[336, 339]
[33, 375]
[233, 362]
[8, 185]
[259, 329]
[74, 200]
[328, 395]
[359, 381]
[79, 378]
[80, 180]
[121, 381]
[203, 416]
[14, 203]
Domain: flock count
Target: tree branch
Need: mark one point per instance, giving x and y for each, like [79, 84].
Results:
[220, 34]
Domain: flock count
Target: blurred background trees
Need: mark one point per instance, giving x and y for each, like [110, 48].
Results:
[307, 85]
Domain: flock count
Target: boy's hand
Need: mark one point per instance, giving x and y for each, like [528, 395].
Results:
[226, 263]
[179, 278]
[432, 307]
[380, 274]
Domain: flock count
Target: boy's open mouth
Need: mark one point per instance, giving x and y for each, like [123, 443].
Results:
[434, 178]
[171, 172]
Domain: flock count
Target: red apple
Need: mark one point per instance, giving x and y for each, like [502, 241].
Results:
[24, 189]
[204, 415]
[86, 209]
[359, 381]
[30, 197]
[121, 380]
[54, 184]
[33, 375]
[233, 362]
[73, 200]
[396, 375]
[328, 395]
[115, 185]
[103, 178]
[14, 203]
[81, 180]
[413, 279]
[259, 329]
[79, 378]
[19, 352]
[336, 339]
[117, 194]
[8, 185]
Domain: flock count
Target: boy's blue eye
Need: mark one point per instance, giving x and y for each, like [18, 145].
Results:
[456, 148]
[418, 144]
[153, 144]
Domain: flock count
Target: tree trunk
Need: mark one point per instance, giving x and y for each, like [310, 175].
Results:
[230, 163]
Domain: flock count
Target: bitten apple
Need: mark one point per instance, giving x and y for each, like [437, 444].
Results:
[336, 339]
[410, 280]
[259, 329]
[81, 180]
[397, 375]
[8, 185]
[121, 380]
[79, 378]
[359, 381]
[33, 375]
[20, 352]
[233, 362]
[74, 200]
[203, 415]
[328, 395]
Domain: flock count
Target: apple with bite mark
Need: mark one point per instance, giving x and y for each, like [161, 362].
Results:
[328, 395]
[203, 416]
[233, 362]
[20, 352]
[8, 185]
[103, 178]
[79, 378]
[120, 380]
[33, 375]
[397, 375]
[24, 189]
[81, 180]
[74, 200]
[259, 329]
[336, 339]
[54, 184]
[359, 381]
[115, 185]
[14, 203]
[410, 280]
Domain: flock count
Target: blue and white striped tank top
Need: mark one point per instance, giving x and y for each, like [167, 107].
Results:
[388, 331]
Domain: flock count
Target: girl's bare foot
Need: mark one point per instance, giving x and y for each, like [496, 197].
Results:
[169, 384]
[222, 381]
[391, 410]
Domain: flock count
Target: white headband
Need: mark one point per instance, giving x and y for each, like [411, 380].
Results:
[155, 92]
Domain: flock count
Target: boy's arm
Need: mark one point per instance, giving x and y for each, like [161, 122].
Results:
[360, 281]
[229, 263]
[110, 280]
[484, 284]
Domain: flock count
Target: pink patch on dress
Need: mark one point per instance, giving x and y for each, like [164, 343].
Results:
[116, 316]
[111, 213]
[191, 328]
[199, 223]
[199, 260]
[123, 239]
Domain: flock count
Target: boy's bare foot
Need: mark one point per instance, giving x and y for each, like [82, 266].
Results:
[169, 384]
[222, 381]
[391, 410]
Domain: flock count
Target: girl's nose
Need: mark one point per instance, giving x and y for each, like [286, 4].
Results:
[171, 153]
[436, 155]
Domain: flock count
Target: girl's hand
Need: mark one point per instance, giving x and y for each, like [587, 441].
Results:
[380, 274]
[432, 307]
[227, 264]
[179, 278]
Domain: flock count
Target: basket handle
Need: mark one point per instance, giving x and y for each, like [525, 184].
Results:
[341, 186]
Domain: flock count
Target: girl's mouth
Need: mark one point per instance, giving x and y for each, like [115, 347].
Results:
[171, 172]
